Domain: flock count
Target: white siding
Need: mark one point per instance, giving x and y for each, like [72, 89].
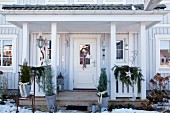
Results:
[3, 20]
[31, 2]
[151, 53]
[134, 1]
[13, 77]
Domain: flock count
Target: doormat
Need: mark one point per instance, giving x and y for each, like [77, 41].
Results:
[80, 108]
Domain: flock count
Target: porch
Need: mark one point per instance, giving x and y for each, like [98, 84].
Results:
[78, 98]
[64, 27]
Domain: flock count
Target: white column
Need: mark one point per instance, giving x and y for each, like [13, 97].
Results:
[25, 46]
[131, 49]
[54, 51]
[143, 54]
[112, 60]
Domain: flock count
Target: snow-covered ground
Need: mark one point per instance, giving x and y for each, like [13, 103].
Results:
[129, 111]
[11, 108]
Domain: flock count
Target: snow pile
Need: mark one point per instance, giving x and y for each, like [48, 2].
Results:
[129, 111]
[11, 108]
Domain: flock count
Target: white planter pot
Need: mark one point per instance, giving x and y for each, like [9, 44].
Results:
[94, 108]
[104, 102]
[50, 100]
[25, 90]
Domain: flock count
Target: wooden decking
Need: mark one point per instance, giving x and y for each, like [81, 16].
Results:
[75, 97]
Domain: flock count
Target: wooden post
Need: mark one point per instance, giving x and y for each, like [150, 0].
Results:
[54, 52]
[25, 46]
[143, 54]
[112, 60]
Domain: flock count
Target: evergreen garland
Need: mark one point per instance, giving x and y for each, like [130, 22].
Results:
[39, 74]
[136, 75]
[102, 86]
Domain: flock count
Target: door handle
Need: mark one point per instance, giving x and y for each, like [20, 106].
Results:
[94, 63]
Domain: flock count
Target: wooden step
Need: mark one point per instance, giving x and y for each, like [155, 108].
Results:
[65, 98]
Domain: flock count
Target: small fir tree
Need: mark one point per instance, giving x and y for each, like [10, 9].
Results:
[102, 86]
[25, 73]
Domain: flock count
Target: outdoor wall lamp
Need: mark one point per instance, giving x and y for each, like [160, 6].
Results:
[126, 47]
[40, 42]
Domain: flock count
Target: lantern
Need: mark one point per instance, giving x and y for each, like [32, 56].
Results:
[60, 82]
[40, 42]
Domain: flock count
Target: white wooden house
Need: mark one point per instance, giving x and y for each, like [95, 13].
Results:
[135, 35]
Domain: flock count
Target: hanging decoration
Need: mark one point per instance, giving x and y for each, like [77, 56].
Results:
[84, 52]
[85, 55]
[128, 75]
[42, 57]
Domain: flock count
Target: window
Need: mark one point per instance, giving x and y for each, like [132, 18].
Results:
[49, 49]
[165, 53]
[119, 49]
[85, 54]
[8, 53]
[5, 52]
[162, 53]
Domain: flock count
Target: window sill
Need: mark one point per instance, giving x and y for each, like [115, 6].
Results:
[6, 68]
[163, 70]
[121, 63]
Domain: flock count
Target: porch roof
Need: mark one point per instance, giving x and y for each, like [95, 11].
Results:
[81, 20]
[80, 7]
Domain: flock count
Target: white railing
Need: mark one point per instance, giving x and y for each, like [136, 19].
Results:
[9, 78]
[124, 91]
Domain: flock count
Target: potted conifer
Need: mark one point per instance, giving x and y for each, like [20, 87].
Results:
[48, 88]
[25, 80]
[102, 89]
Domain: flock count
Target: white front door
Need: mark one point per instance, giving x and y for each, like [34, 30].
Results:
[85, 63]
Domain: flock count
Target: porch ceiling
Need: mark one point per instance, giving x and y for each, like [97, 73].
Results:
[83, 27]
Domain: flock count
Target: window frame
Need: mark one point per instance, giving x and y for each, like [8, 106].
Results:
[159, 68]
[124, 38]
[13, 67]
[48, 37]
[120, 60]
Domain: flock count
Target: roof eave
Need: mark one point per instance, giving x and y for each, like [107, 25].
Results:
[83, 12]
